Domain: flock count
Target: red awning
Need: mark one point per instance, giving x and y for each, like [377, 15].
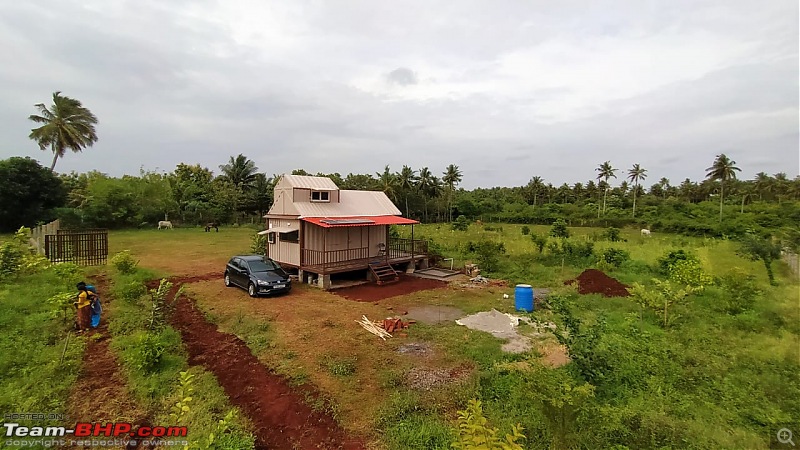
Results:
[358, 221]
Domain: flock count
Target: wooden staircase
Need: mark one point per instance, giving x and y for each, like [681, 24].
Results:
[383, 272]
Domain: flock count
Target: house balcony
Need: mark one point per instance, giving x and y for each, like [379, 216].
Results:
[398, 251]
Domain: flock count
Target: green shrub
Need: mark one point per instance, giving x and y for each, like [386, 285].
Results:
[146, 353]
[161, 306]
[612, 234]
[661, 298]
[690, 273]
[460, 224]
[488, 254]
[741, 291]
[17, 256]
[10, 259]
[526, 230]
[615, 257]
[67, 270]
[559, 229]
[539, 241]
[258, 245]
[475, 433]
[762, 248]
[124, 262]
[131, 292]
[666, 262]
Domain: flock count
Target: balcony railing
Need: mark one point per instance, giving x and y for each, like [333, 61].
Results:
[405, 248]
[398, 249]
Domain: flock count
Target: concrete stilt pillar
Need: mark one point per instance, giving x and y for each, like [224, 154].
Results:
[325, 282]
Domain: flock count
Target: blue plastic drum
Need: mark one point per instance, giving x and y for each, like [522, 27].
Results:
[523, 297]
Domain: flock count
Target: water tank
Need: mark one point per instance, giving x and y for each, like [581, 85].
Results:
[523, 297]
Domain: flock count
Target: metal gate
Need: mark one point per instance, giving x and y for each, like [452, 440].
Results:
[84, 247]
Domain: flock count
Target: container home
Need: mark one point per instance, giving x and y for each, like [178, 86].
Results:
[321, 230]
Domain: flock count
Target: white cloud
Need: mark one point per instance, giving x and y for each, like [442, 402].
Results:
[507, 90]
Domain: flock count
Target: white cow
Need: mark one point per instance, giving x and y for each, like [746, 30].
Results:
[164, 224]
[645, 232]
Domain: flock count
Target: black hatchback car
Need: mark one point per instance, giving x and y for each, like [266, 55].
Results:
[257, 274]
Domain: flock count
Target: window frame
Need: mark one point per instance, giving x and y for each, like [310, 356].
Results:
[291, 240]
[271, 238]
[320, 195]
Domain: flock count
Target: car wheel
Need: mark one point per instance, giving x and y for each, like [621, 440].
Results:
[228, 280]
[251, 289]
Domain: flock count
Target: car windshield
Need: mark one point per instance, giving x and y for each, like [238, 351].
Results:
[260, 265]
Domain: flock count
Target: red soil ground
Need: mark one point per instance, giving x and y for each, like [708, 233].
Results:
[281, 417]
[373, 292]
[593, 281]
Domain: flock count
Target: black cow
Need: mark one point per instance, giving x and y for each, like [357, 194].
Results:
[211, 225]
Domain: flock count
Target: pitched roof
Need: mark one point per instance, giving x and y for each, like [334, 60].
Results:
[351, 203]
[302, 181]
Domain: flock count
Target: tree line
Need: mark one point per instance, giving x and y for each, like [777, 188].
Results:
[193, 194]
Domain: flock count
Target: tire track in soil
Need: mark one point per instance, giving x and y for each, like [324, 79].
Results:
[278, 410]
[101, 394]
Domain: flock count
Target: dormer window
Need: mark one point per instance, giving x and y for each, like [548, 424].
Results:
[320, 196]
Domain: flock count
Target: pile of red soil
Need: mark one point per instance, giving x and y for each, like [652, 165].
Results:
[373, 292]
[593, 281]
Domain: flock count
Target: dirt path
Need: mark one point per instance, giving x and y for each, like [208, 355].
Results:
[278, 410]
[100, 394]
[372, 292]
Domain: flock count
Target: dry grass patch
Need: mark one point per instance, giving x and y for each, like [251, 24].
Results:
[311, 336]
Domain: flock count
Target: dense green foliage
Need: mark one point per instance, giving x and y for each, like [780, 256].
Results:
[703, 355]
[29, 193]
[37, 364]
[192, 194]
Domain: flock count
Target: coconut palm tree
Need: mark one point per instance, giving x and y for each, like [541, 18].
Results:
[578, 190]
[564, 193]
[435, 191]
[534, 188]
[387, 182]
[240, 171]
[424, 186]
[636, 174]
[781, 182]
[605, 172]
[406, 181]
[723, 169]
[66, 125]
[763, 184]
[451, 177]
[664, 183]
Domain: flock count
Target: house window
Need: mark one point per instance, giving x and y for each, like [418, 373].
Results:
[320, 196]
[292, 236]
[271, 238]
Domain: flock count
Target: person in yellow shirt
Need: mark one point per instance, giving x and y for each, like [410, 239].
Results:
[83, 305]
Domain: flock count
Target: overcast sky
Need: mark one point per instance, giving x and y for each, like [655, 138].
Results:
[504, 89]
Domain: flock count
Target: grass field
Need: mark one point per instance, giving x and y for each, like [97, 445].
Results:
[711, 379]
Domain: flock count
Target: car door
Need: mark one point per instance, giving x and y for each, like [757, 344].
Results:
[245, 273]
[237, 276]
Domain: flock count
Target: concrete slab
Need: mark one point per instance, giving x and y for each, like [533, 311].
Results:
[433, 314]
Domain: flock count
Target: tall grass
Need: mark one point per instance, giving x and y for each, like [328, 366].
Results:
[33, 377]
